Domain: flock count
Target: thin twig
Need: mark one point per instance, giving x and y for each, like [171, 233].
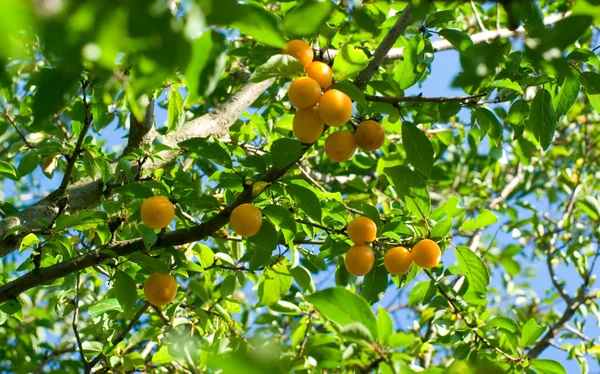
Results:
[74, 324]
[465, 100]
[479, 23]
[87, 122]
[306, 333]
[14, 125]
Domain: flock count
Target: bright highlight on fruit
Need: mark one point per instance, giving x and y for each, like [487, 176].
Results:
[160, 289]
[308, 125]
[362, 230]
[320, 72]
[369, 136]
[246, 220]
[157, 212]
[300, 50]
[340, 146]
[427, 254]
[304, 93]
[359, 260]
[397, 260]
[335, 108]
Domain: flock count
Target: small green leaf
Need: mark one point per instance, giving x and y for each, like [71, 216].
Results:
[28, 242]
[344, 307]
[8, 170]
[442, 228]
[507, 83]
[544, 366]
[351, 90]
[285, 307]
[267, 237]
[385, 326]
[375, 283]
[518, 111]
[201, 48]
[567, 94]
[474, 268]
[306, 18]
[175, 110]
[104, 306]
[349, 62]
[542, 120]
[439, 18]
[406, 73]
[485, 218]
[591, 84]
[505, 323]
[306, 200]
[411, 188]
[458, 39]
[285, 151]
[278, 66]
[302, 276]
[417, 294]
[28, 163]
[489, 124]
[531, 332]
[356, 331]
[419, 150]
[126, 290]
[274, 283]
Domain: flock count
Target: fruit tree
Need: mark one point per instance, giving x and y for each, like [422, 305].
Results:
[306, 186]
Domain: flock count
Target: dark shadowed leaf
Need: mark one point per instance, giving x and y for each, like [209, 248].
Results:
[542, 120]
[419, 150]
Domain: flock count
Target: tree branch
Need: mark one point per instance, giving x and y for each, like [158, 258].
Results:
[464, 100]
[75, 329]
[86, 193]
[141, 133]
[443, 45]
[384, 47]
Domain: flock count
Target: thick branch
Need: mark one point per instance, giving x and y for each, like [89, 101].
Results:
[141, 133]
[464, 100]
[443, 45]
[382, 50]
[86, 193]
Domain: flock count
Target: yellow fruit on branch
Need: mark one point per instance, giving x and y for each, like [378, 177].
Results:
[308, 125]
[304, 92]
[335, 108]
[427, 254]
[397, 260]
[320, 72]
[340, 146]
[359, 260]
[246, 220]
[369, 136]
[157, 212]
[362, 230]
[300, 50]
[160, 289]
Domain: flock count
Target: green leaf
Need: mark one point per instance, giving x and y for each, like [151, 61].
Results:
[531, 332]
[356, 331]
[489, 124]
[104, 306]
[507, 83]
[591, 84]
[281, 216]
[351, 90]
[567, 94]
[474, 268]
[417, 294]
[175, 110]
[419, 150]
[28, 241]
[28, 163]
[485, 218]
[278, 66]
[211, 149]
[306, 18]
[375, 283]
[385, 326]
[302, 276]
[285, 151]
[148, 235]
[8, 170]
[126, 290]
[458, 39]
[274, 283]
[442, 228]
[440, 17]
[201, 48]
[505, 323]
[285, 307]
[260, 24]
[228, 286]
[518, 111]
[306, 200]
[411, 188]
[349, 62]
[267, 237]
[542, 120]
[544, 366]
[82, 220]
[52, 87]
[406, 73]
[530, 13]
[344, 307]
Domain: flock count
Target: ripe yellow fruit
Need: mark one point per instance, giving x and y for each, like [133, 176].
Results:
[335, 108]
[362, 230]
[157, 212]
[359, 260]
[320, 72]
[304, 92]
[397, 260]
[246, 220]
[308, 125]
[427, 254]
[340, 146]
[160, 289]
[300, 50]
[369, 136]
